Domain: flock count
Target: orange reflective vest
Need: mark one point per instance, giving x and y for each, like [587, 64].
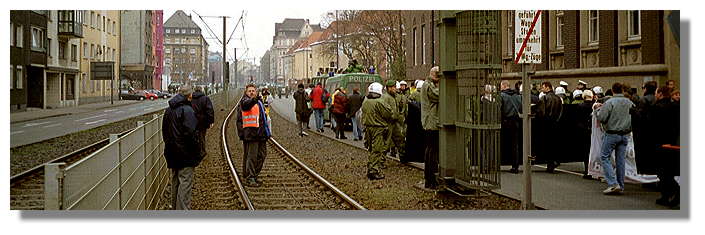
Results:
[250, 118]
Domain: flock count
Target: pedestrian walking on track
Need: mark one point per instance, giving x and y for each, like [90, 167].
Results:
[203, 107]
[301, 108]
[253, 130]
[181, 148]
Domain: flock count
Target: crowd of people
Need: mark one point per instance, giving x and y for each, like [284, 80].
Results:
[604, 129]
[611, 132]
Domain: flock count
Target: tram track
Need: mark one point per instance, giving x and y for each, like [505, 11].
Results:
[27, 187]
[287, 183]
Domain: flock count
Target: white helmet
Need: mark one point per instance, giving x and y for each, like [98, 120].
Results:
[563, 83]
[375, 87]
[402, 83]
[577, 93]
[560, 90]
[419, 84]
[582, 82]
[398, 86]
[597, 90]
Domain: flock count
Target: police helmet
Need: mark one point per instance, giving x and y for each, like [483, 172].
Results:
[375, 87]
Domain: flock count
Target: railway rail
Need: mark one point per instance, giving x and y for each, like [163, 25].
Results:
[27, 187]
[287, 183]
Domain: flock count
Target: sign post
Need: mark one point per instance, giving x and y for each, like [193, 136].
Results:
[527, 48]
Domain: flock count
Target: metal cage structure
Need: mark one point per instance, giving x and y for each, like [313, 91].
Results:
[470, 106]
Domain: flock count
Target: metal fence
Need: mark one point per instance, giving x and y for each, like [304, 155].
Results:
[127, 174]
[470, 103]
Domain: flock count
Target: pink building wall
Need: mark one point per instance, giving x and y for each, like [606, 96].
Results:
[158, 45]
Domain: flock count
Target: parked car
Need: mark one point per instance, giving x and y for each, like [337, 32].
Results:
[138, 95]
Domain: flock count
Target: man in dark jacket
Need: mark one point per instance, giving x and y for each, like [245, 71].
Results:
[511, 107]
[253, 130]
[340, 112]
[666, 126]
[181, 149]
[549, 112]
[644, 136]
[301, 108]
[355, 102]
[203, 107]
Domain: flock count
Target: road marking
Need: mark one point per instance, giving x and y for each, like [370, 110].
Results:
[83, 119]
[52, 125]
[120, 112]
[16, 132]
[148, 109]
[109, 110]
[36, 124]
[90, 123]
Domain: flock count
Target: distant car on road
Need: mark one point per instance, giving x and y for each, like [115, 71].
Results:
[138, 95]
[159, 93]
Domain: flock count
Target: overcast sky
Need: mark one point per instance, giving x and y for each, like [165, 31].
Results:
[259, 27]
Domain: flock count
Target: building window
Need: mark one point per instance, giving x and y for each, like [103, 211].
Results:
[112, 56]
[559, 30]
[193, 31]
[113, 27]
[92, 50]
[38, 39]
[167, 51]
[19, 33]
[12, 75]
[593, 29]
[103, 24]
[193, 51]
[183, 50]
[423, 44]
[62, 50]
[18, 77]
[85, 50]
[74, 51]
[49, 47]
[413, 48]
[634, 24]
[168, 61]
[168, 30]
[167, 40]
[12, 34]
[176, 31]
[108, 29]
[92, 19]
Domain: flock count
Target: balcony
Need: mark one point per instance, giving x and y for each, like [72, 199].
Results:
[70, 24]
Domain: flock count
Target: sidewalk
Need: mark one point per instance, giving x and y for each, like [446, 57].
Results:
[564, 190]
[35, 114]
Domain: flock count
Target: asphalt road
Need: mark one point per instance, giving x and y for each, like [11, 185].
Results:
[34, 131]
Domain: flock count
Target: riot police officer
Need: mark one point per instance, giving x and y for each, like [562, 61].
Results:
[377, 115]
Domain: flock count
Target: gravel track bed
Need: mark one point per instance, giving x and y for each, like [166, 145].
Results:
[213, 187]
[27, 156]
[346, 167]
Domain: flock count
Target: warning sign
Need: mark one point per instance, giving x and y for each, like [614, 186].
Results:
[527, 37]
